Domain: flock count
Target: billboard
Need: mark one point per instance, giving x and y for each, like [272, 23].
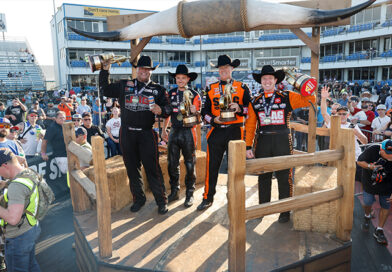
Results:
[3, 24]
[100, 12]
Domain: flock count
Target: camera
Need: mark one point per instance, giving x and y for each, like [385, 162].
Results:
[379, 174]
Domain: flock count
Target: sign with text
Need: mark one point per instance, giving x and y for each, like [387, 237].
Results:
[100, 12]
[3, 24]
[277, 62]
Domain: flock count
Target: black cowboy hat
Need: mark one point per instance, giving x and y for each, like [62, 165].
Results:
[145, 62]
[269, 70]
[226, 60]
[183, 70]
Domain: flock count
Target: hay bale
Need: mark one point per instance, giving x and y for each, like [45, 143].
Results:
[320, 218]
[119, 192]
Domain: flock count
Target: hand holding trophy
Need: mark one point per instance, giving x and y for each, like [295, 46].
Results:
[189, 118]
[103, 61]
[227, 112]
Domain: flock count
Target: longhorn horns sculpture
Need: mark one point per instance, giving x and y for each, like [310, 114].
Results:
[223, 16]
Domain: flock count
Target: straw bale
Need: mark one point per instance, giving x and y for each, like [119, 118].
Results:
[320, 218]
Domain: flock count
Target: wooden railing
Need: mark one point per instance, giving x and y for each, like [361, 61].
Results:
[343, 154]
[84, 192]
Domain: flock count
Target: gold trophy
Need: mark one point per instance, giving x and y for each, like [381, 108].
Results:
[96, 61]
[302, 83]
[189, 119]
[227, 114]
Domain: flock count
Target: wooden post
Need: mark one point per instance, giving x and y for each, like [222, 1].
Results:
[346, 178]
[80, 199]
[134, 44]
[103, 200]
[314, 72]
[333, 135]
[236, 205]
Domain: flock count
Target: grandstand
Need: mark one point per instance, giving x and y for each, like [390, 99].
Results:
[19, 70]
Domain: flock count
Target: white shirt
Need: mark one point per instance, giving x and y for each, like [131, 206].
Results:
[114, 124]
[82, 109]
[361, 115]
[358, 150]
[378, 124]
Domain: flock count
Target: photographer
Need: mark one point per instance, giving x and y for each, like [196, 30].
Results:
[376, 162]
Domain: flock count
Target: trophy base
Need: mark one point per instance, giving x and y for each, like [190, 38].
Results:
[227, 116]
[95, 63]
[190, 121]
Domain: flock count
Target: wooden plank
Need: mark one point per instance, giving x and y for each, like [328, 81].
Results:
[119, 21]
[314, 47]
[103, 200]
[80, 200]
[314, 72]
[346, 178]
[79, 151]
[294, 203]
[236, 205]
[86, 183]
[257, 166]
[136, 48]
[305, 129]
[83, 250]
[334, 132]
[331, 261]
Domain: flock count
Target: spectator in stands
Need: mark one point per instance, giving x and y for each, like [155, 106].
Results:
[77, 119]
[367, 129]
[2, 109]
[50, 114]
[13, 136]
[376, 162]
[65, 107]
[353, 105]
[54, 136]
[28, 99]
[96, 110]
[344, 98]
[378, 88]
[113, 131]
[91, 129]
[83, 107]
[302, 117]
[388, 101]
[31, 134]
[360, 116]
[380, 123]
[382, 97]
[81, 139]
[41, 113]
[16, 112]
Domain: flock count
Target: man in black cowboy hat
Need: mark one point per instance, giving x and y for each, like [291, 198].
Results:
[222, 132]
[181, 138]
[270, 112]
[140, 100]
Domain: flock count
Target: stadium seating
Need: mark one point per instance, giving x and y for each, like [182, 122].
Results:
[233, 39]
[15, 60]
[282, 36]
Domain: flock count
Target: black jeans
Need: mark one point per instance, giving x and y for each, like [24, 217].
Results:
[182, 140]
[272, 145]
[217, 143]
[142, 147]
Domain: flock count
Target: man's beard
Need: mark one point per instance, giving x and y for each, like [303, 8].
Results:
[3, 133]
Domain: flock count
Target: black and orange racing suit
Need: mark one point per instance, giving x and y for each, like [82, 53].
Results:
[182, 139]
[274, 138]
[220, 134]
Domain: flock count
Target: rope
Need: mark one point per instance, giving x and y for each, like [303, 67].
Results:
[180, 23]
[244, 16]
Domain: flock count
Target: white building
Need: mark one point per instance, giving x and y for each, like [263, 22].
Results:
[356, 52]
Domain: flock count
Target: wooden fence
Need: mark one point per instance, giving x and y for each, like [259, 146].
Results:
[342, 153]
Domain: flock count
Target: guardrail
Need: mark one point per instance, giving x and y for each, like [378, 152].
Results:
[342, 153]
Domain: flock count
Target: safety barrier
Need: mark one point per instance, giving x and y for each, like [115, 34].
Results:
[341, 153]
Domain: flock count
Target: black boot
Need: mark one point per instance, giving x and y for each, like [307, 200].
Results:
[137, 205]
[174, 195]
[188, 201]
[284, 217]
[205, 204]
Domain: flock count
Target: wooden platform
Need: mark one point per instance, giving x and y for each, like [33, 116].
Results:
[189, 240]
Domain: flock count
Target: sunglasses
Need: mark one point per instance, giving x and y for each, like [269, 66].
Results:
[5, 125]
[86, 119]
[342, 113]
[33, 115]
[77, 120]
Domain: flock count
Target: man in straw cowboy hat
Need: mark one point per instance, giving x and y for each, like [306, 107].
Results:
[222, 132]
[181, 138]
[270, 111]
[140, 100]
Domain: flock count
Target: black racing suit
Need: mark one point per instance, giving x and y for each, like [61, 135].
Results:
[138, 140]
[274, 138]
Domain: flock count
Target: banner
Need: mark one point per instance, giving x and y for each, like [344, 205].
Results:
[100, 12]
[277, 62]
[3, 24]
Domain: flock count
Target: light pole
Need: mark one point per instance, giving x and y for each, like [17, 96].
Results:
[57, 43]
